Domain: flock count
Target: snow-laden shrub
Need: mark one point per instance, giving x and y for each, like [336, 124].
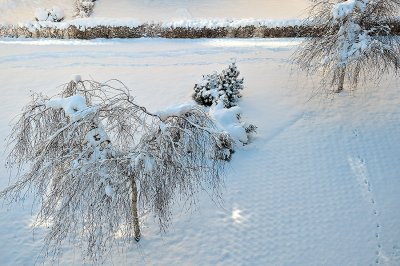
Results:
[84, 8]
[221, 92]
[225, 86]
[56, 14]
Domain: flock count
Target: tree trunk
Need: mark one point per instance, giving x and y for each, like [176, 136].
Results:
[341, 79]
[135, 215]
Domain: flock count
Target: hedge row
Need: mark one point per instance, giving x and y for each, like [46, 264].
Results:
[156, 30]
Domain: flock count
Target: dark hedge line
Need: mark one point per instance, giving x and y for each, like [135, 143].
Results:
[155, 30]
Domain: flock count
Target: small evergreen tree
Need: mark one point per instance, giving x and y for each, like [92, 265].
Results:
[225, 86]
[354, 42]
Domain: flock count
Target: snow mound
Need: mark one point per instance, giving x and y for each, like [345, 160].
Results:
[344, 9]
[227, 22]
[227, 119]
[56, 14]
[74, 106]
[177, 110]
[41, 14]
[76, 78]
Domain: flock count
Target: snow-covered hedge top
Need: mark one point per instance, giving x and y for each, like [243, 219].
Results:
[219, 23]
[83, 23]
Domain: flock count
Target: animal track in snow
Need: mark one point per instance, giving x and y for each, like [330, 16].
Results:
[359, 168]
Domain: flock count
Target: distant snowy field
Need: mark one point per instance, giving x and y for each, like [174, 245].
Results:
[16, 11]
[320, 184]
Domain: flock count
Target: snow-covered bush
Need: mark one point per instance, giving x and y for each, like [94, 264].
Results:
[96, 161]
[355, 41]
[225, 86]
[221, 92]
[84, 8]
[56, 14]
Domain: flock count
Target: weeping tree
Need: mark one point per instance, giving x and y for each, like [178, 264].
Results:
[353, 42]
[96, 161]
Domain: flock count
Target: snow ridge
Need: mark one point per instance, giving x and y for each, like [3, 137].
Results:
[236, 23]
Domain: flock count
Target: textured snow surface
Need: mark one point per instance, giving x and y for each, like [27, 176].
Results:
[16, 11]
[318, 186]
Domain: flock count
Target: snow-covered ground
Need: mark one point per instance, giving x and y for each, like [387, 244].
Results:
[318, 186]
[16, 11]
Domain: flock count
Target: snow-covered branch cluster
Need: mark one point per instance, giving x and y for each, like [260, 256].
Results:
[344, 9]
[84, 8]
[355, 41]
[54, 14]
[97, 161]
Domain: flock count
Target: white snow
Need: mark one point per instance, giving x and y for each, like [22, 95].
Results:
[109, 191]
[344, 9]
[81, 23]
[23, 11]
[96, 137]
[76, 78]
[144, 161]
[57, 13]
[74, 106]
[319, 184]
[226, 22]
[177, 110]
[228, 121]
[41, 14]
[174, 10]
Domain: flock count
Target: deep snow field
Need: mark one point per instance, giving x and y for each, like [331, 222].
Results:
[16, 11]
[319, 185]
